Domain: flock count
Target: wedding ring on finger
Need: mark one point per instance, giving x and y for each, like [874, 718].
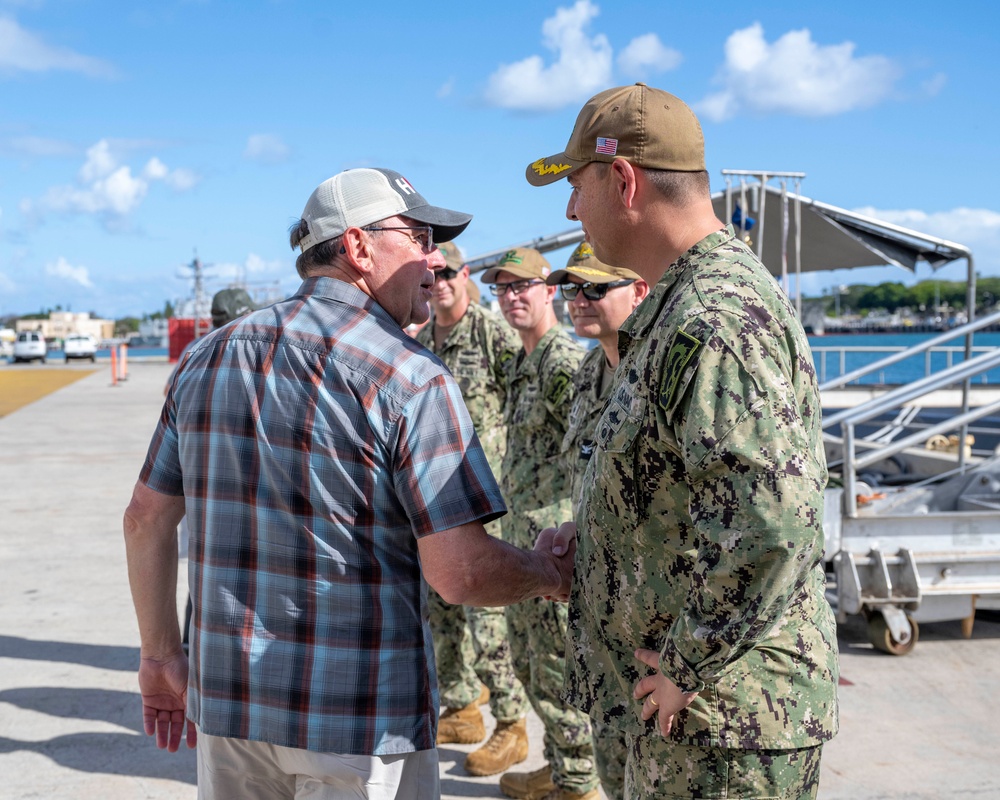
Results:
[653, 702]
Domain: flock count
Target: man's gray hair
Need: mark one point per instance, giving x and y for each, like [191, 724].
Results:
[678, 188]
[319, 256]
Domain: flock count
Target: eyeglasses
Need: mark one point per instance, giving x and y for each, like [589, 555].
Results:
[424, 239]
[517, 287]
[592, 291]
[445, 274]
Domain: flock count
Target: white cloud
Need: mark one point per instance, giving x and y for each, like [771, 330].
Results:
[107, 188]
[266, 148]
[155, 170]
[254, 268]
[795, 75]
[256, 265]
[63, 269]
[646, 54]
[976, 228]
[582, 66]
[117, 193]
[182, 179]
[23, 51]
[100, 162]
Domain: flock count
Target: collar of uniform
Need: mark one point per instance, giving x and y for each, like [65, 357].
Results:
[524, 361]
[642, 319]
[461, 331]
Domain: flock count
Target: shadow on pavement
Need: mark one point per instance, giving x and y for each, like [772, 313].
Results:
[113, 753]
[102, 656]
[101, 705]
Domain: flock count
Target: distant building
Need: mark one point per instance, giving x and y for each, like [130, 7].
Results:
[61, 324]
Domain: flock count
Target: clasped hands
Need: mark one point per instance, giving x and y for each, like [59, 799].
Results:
[561, 543]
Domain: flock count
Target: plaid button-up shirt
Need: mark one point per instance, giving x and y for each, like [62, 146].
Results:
[314, 442]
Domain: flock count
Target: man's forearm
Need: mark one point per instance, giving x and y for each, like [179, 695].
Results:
[508, 575]
[466, 566]
[151, 551]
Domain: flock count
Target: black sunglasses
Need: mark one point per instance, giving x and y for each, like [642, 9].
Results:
[446, 274]
[592, 291]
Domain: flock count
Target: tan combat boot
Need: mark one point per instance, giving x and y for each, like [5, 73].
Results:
[528, 785]
[461, 725]
[484, 695]
[506, 747]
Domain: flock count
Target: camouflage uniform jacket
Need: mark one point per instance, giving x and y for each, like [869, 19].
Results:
[476, 352]
[701, 524]
[588, 401]
[539, 395]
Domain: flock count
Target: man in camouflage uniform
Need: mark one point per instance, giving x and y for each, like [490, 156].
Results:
[599, 298]
[471, 642]
[539, 395]
[698, 618]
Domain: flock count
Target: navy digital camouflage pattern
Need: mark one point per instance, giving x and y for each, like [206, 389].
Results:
[471, 643]
[589, 395]
[591, 390]
[535, 485]
[701, 524]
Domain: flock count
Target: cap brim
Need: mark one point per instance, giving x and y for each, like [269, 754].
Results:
[447, 224]
[551, 169]
[583, 273]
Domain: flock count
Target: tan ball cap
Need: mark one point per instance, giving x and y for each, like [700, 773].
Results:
[648, 127]
[586, 266]
[523, 262]
[452, 256]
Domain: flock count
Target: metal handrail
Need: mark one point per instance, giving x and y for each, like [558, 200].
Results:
[904, 394]
[842, 352]
[962, 330]
[850, 418]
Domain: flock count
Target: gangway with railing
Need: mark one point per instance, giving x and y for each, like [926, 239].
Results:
[927, 550]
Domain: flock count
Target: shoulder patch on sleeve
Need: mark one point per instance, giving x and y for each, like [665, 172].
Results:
[682, 352]
[562, 380]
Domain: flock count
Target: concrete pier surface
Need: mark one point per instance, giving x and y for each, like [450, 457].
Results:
[924, 726]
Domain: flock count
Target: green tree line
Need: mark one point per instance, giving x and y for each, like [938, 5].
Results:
[922, 297]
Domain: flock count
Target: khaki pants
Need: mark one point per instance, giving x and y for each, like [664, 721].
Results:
[235, 768]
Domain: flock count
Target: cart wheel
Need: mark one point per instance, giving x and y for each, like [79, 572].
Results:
[881, 637]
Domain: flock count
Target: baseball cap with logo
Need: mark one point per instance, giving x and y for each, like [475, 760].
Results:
[588, 267]
[359, 197]
[524, 262]
[648, 127]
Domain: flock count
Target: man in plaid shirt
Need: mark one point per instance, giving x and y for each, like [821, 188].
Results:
[328, 467]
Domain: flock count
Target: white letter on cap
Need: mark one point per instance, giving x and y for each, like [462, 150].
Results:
[404, 186]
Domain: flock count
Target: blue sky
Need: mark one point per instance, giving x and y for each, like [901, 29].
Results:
[132, 135]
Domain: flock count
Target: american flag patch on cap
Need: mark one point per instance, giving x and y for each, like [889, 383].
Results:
[607, 146]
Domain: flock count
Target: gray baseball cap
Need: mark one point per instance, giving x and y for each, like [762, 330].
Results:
[359, 197]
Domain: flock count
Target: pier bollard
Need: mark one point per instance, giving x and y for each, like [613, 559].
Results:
[123, 362]
[114, 366]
